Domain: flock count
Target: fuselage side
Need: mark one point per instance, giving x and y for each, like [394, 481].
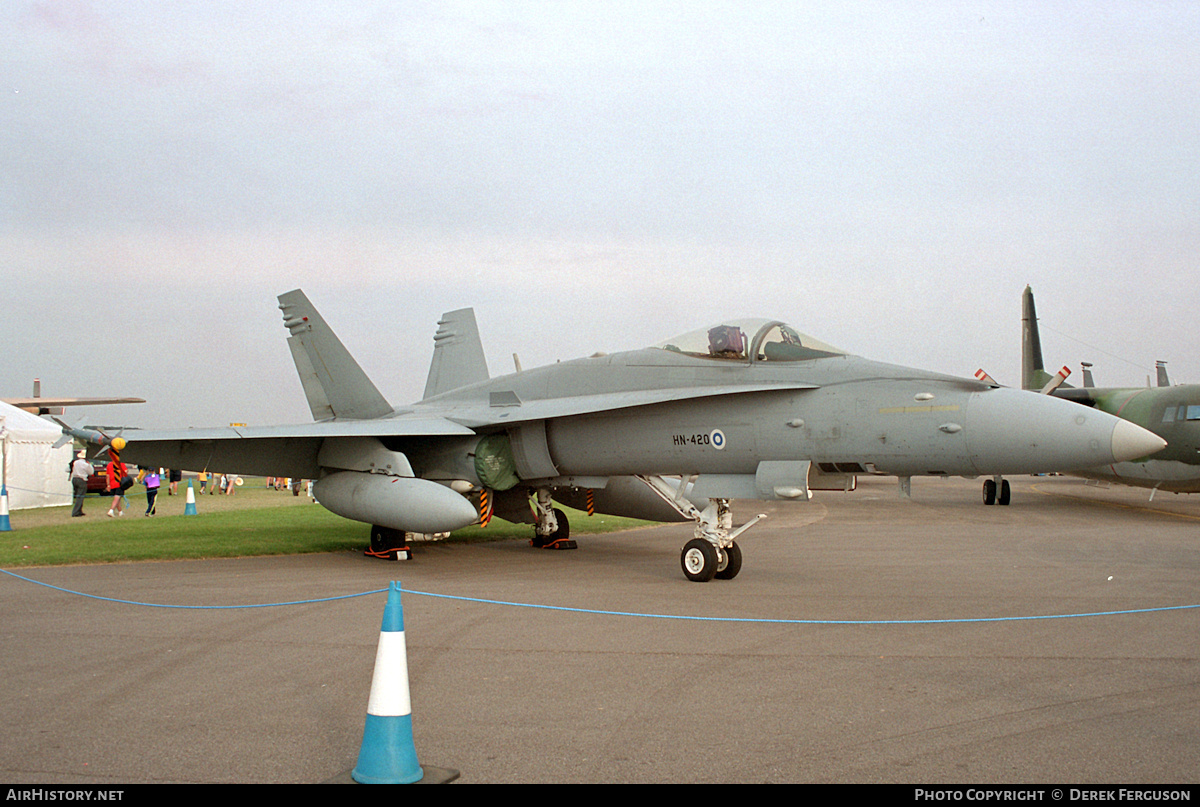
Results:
[858, 416]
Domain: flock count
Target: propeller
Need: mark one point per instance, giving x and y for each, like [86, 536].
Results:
[1055, 382]
[1051, 385]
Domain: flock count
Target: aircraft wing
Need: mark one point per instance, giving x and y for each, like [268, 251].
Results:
[44, 406]
[1080, 395]
[391, 427]
[269, 450]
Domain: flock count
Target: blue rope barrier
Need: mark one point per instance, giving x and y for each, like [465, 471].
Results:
[601, 612]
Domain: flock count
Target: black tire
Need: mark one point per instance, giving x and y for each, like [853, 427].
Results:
[989, 491]
[733, 563]
[564, 527]
[699, 560]
[1005, 493]
[384, 539]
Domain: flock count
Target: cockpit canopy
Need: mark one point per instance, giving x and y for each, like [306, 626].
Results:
[751, 340]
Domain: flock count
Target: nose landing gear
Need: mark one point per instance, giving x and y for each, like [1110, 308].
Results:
[713, 553]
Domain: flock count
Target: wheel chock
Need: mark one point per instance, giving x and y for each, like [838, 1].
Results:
[561, 543]
[395, 553]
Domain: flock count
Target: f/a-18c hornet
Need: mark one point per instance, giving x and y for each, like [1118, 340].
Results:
[749, 409]
[1171, 412]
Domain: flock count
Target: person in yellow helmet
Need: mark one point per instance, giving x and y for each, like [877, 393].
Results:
[118, 480]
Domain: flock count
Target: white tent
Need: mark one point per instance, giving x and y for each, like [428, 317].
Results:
[35, 472]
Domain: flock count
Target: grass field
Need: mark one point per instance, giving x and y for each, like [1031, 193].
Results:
[255, 520]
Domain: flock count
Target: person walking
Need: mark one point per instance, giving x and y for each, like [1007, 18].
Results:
[152, 481]
[118, 480]
[81, 469]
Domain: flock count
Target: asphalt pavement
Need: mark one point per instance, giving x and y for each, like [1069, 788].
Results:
[868, 638]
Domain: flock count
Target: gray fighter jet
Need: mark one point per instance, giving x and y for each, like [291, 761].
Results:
[748, 409]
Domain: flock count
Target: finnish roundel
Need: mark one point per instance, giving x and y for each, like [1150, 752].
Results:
[717, 438]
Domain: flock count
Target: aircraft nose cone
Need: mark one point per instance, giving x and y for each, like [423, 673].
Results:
[1131, 442]
[1012, 431]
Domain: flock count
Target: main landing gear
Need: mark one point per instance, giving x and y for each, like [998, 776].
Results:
[551, 529]
[713, 553]
[388, 544]
[996, 491]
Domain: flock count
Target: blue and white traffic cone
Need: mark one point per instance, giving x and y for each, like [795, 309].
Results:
[5, 526]
[189, 509]
[387, 755]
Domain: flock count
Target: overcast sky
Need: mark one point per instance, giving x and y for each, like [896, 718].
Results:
[589, 176]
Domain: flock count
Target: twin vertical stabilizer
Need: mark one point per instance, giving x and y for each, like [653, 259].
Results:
[333, 381]
[458, 358]
[336, 386]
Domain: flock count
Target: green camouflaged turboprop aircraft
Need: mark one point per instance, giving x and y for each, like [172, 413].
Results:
[1173, 413]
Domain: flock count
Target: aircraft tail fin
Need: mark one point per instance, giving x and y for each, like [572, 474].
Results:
[334, 383]
[1033, 374]
[458, 358]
